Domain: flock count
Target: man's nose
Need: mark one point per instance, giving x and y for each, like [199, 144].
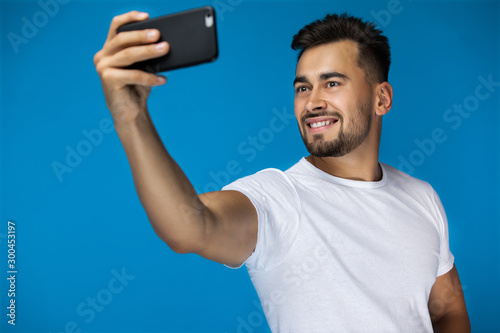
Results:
[315, 102]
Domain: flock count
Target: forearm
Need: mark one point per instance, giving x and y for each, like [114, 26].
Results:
[165, 192]
[452, 324]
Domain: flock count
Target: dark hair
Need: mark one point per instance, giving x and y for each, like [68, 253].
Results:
[374, 54]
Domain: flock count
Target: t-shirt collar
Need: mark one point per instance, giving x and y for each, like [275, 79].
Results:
[343, 181]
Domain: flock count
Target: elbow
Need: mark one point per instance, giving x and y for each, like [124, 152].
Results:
[182, 238]
[180, 245]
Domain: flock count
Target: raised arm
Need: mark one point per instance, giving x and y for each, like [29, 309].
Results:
[221, 226]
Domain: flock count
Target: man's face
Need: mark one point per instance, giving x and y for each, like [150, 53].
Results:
[333, 101]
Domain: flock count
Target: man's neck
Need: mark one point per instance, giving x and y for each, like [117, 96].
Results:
[366, 168]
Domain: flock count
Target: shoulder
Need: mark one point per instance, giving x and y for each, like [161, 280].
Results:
[406, 182]
[278, 210]
[270, 180]
[269, 190]
[414, 191]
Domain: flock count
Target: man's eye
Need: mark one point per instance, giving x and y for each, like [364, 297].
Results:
[301, 89]
[333, 84]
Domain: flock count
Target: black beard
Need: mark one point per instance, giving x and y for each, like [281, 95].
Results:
[346, 141]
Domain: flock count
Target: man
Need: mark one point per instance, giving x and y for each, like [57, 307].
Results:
[337, 243]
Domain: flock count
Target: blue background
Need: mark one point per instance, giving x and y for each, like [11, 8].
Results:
[75, 230]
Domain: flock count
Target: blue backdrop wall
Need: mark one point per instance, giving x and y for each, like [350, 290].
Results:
[86, 257]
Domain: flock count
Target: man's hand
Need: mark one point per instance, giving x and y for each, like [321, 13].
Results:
[127, 90]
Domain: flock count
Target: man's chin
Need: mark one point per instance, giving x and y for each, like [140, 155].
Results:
[325, 154]
[324, 150]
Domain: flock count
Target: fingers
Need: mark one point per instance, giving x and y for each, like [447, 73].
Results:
[130, 38]
[123, 77]
[126, 48]
[120, 20]
[116, 42]
[133, 54]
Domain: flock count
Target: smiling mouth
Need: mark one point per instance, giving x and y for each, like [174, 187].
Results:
[317, 124]
[322, 123]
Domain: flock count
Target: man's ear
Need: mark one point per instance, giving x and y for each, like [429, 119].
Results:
[383, 99]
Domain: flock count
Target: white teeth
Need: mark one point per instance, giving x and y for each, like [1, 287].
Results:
[321, 123]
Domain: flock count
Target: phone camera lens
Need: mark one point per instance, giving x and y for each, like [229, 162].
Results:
[209, 20]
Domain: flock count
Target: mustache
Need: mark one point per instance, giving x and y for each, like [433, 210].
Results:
[322, 114]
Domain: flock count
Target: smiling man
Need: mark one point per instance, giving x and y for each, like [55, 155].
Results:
[337, 243]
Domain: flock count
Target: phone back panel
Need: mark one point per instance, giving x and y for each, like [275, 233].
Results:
[191, 34]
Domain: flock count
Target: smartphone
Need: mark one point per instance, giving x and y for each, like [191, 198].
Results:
[192, 36]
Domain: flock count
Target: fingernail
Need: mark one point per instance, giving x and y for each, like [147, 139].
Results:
[142, 15]
[161, 46]
[161, 79]
[152, 34]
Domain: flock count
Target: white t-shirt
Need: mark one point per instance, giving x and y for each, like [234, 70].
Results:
[338, 255]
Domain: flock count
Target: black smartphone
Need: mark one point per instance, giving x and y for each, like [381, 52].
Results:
[192, 36]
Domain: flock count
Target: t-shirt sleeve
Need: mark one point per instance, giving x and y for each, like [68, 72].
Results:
[276, 201]
[446, 258]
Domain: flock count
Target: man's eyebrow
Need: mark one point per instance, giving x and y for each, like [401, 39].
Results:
[329, 75]
[322, 77]
[301, 79]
